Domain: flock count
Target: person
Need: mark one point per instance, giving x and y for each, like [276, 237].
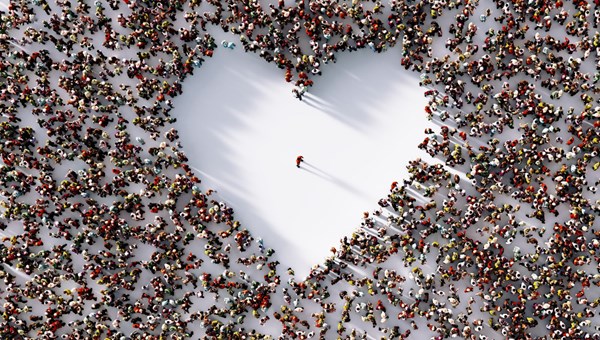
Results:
[299, 160]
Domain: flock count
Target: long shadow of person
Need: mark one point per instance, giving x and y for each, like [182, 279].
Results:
[308, 167]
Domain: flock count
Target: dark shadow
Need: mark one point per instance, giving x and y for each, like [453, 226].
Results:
[336, 91]
[308, 100]
[326, 176]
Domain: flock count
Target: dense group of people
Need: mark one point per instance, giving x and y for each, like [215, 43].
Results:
[107, 234]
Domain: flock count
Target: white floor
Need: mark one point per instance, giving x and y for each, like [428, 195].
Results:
[243, 129]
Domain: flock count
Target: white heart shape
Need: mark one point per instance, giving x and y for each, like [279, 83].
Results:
[242, 129]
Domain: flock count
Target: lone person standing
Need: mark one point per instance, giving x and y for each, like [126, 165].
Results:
[299, 160]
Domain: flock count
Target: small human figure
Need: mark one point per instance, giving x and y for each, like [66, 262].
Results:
[297, 93]
[299, 160]
[228, 44]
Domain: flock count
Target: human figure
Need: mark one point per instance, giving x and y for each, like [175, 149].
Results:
[299, 160]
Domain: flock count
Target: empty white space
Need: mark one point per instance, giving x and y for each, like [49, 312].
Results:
[242, 130]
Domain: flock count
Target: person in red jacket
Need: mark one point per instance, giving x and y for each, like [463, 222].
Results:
[299, 160]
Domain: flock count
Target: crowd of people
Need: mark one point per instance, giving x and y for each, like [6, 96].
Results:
[107, 234]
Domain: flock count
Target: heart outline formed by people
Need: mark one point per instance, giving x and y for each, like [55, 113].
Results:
[346, 138]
